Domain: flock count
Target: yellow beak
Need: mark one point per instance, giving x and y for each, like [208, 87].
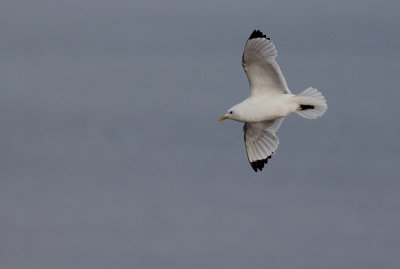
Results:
[223, 118]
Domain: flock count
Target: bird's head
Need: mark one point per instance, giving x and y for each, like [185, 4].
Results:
[230, 114]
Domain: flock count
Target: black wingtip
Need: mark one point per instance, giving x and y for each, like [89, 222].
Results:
[259, 164]
[258, 34]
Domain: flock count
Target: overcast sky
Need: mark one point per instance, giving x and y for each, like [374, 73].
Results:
[112, 156]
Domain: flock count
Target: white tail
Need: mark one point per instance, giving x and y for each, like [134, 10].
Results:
[312, 104]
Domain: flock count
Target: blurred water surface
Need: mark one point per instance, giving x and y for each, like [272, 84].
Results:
[112, 156]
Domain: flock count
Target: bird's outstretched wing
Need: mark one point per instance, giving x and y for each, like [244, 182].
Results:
[258, 62]
[261, 141]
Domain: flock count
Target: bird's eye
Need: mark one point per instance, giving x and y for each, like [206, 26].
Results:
[230, 112]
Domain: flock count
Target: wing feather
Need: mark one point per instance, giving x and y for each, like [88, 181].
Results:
[259, 63]
[260, 141]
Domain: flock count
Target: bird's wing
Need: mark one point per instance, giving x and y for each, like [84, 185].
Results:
[261, 141]
[259, 63]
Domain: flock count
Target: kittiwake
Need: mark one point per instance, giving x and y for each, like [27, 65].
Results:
[270, 101]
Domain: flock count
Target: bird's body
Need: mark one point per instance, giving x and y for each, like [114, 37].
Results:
[265, 107]
[269, 102]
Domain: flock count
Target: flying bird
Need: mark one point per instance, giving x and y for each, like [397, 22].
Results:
[270, 101]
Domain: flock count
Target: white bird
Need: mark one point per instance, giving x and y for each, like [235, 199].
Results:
[270, 101]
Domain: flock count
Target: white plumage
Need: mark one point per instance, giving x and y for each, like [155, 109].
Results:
[269, 102]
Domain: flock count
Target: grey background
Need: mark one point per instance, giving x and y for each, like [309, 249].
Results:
[112, 156]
